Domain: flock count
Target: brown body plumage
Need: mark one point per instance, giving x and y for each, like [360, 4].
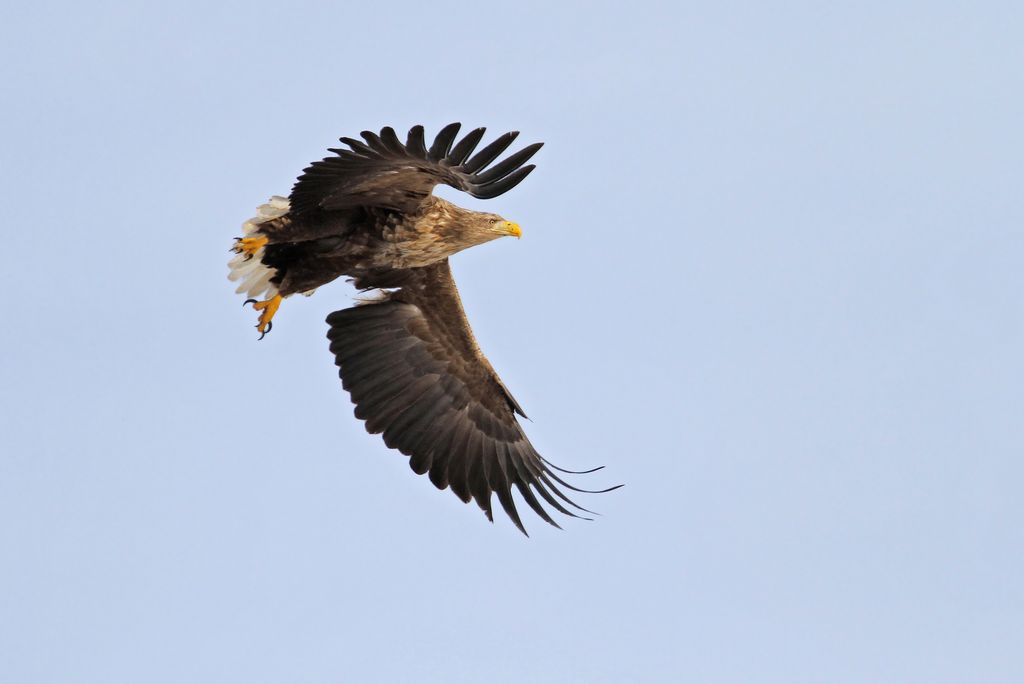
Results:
[368, 243]
[408, 358]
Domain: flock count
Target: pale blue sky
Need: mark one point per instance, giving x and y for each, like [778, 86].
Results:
[771, 277]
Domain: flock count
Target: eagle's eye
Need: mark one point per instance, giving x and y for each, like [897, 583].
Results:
[493, 221]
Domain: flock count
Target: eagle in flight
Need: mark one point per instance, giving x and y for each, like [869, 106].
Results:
[408, 357]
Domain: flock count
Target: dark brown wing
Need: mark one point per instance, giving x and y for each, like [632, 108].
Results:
[416, 374]
[381, 171]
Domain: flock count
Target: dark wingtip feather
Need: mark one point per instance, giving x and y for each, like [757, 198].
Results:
[391, 141]
[505, 498]
[531, 500]
[506, 166]
[571, 472]
[553, 502]
[358, 147]
[443, 142]
[414, 142]
[374, 141]
[465, 147]
[558, 492]
[582, 491]
[491, 152]
[504, 185]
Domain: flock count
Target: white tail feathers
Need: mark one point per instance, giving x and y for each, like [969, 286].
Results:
[248, 267]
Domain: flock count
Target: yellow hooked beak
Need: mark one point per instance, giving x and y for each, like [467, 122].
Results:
[509, 228]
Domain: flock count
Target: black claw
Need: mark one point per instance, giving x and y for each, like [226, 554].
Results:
[270, 326]
[249, 301]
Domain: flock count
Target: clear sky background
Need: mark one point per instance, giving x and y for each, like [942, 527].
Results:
[771, 277]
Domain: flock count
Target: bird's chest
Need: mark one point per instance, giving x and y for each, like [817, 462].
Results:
[403, 246]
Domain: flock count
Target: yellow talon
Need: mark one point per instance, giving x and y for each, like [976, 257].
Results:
[250, 245]
[267, 310]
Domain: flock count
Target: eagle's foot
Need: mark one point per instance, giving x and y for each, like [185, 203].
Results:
[249, 245]
[267, 310]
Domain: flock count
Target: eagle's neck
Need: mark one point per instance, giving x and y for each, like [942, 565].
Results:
[440, 230]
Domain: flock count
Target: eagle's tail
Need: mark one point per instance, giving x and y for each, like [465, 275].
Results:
[247, 265]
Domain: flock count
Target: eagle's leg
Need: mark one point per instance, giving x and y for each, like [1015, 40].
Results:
[249, 245]
[267, 310]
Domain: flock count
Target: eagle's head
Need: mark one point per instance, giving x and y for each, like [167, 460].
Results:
[461, 228]
[490, 226]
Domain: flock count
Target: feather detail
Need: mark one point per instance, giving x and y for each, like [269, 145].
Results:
[247, 266]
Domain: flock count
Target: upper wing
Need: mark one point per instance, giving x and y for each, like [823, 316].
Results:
[383, 172]
[416, 374]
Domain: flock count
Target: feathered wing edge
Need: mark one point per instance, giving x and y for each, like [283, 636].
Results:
[412, 380]
[380, 170]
